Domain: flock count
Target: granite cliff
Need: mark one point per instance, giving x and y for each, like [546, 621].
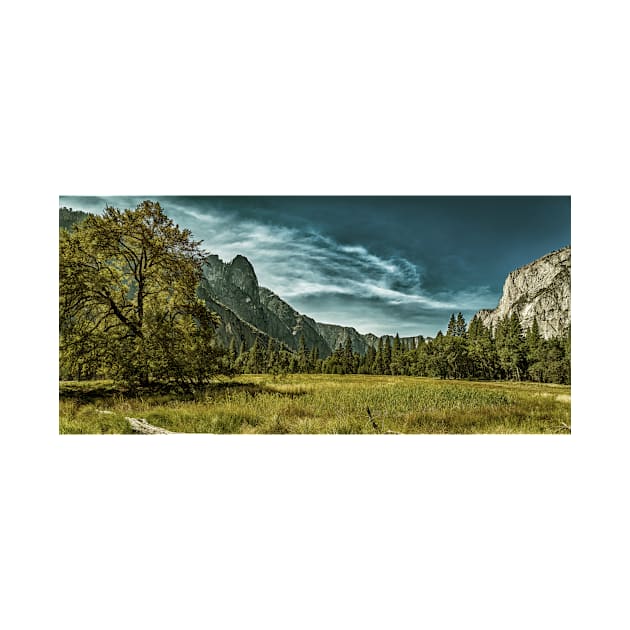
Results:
[249, 310]
[541, 290]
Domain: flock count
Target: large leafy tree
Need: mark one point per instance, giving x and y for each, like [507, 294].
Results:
[128, 299]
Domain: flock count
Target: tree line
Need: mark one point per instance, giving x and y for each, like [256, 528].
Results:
[464, 352]
[130, 310]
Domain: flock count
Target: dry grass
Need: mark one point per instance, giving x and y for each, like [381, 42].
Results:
[326, 404]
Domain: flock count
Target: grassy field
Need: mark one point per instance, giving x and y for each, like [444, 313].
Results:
[323, 404]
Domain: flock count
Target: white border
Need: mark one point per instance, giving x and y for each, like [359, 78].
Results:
[343, 98]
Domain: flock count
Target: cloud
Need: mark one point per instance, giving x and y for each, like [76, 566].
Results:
[338, 283]
[330, 281]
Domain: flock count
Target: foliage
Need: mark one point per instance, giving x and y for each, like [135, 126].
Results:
[128, 300]
[463, 353]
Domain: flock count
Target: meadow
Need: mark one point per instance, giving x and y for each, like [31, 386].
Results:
[307, 403]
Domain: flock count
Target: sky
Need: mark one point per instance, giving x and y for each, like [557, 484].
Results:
[383, 265]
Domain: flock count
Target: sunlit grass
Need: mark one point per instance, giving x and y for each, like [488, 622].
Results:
[327, 404]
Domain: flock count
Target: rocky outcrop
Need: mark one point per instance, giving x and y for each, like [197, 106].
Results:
[336, 336]
[292, 325]
[248, 310]
[232, 326]
[541, 290]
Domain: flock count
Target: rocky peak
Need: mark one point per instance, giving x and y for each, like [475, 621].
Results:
[540, 290]
[241, 273]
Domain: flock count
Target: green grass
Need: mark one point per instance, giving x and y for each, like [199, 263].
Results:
[323, 404]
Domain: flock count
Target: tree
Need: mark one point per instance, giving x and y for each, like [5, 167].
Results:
[567, 356]
[303, 358]
[379, 365]
[368, 362]
[535, 352]
[256, 358]
[399, 363]
[387, 356]
[450, 330]
[455, 353]
[347, 361]
[460, 326]
[511, 346]
[270, 357]
[481, 351]
[128, 299]
[436, 360]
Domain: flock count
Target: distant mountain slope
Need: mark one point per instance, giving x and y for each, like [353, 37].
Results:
[541, 290]
[69, 217]
[235, 285]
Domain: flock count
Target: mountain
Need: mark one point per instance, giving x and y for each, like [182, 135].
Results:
[541, 290]
[232, 288]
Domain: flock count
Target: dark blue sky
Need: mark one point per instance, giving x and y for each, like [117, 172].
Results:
[380, 264]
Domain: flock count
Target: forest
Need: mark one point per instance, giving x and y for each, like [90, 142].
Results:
[464, 352]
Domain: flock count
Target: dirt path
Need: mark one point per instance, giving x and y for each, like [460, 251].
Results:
[140, 425]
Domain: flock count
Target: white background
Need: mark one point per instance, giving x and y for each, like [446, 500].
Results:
[489, 532]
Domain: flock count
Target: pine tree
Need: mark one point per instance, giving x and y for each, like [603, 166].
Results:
[397, 366]
[452, 326]
[370, 360]
[314, 359]
[379, 364]
[510, 346]
[534, 349]
[293, 364]
[419, 359]
[566, 339]
[460, 326]
[270, 358]
[481, 352]
[302, 356]
[387, 356]
[348, 357]
[437, 364]
[255, 360]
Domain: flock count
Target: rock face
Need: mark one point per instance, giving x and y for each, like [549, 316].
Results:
[336, 336]
[541, 290]
[248, 311]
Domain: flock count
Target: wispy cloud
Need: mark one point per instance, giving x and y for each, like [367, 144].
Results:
[294, 263]
[303, 264]
[328, 280]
